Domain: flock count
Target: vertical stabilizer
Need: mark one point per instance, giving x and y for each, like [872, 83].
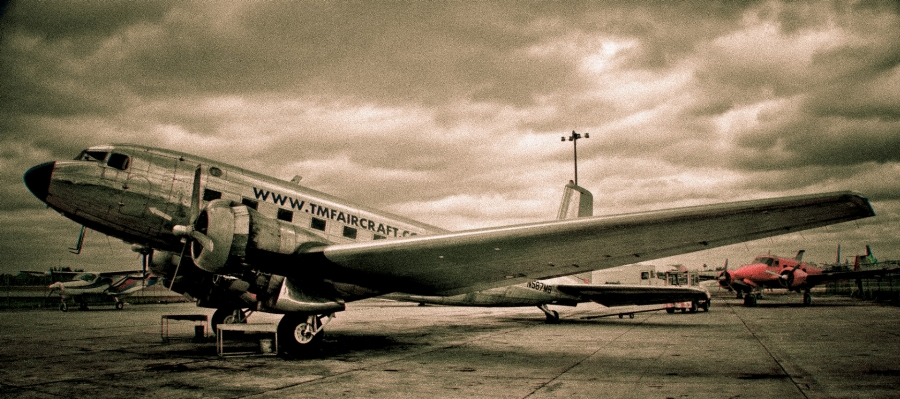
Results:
[799, 256]
[576, 203]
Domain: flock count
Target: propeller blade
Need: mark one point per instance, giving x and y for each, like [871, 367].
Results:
[195, 196]
[781, 276]
[203, 240]
[188, 231]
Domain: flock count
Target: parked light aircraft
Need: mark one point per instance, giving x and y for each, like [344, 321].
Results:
[232, 239]
[769, 271]
[568, 290]
[106, 286]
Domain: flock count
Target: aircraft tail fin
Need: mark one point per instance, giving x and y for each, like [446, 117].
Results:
[799, 256]
[867, 259]
[869, 256]
[577, 202]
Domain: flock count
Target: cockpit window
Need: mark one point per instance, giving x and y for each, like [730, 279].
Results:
[764, 260]
[118, 161]
[87, 277]
[88, 155]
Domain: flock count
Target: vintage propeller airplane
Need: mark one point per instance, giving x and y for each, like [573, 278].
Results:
[768, 271]
[232, 239]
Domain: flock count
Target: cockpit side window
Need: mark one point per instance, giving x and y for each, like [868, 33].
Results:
[118, 161]
[88, 155]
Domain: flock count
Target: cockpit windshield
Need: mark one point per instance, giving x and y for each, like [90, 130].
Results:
[115, 160]
[86, 277]
[88, 155]
[766, 260]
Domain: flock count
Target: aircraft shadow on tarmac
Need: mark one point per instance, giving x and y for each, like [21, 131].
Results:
[608, 320]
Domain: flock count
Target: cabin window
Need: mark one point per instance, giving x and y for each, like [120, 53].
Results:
[118, 161]
[215, 171]
[645, 275]
[378, 237]
[349, 232]
[250, 203]
[286, 215]
[317, 224]
[209, 195]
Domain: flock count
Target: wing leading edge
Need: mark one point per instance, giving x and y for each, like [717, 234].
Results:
[448, 264]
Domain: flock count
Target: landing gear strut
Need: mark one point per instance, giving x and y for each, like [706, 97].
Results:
[807, 298]
[552, 315]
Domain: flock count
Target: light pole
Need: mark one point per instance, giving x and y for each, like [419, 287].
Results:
[574, 139]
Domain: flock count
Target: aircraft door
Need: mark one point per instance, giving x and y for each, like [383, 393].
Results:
[136, 186]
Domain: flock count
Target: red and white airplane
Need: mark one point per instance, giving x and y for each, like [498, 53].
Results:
[768, 271]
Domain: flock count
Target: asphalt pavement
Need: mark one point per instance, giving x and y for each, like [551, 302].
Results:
[838, 347]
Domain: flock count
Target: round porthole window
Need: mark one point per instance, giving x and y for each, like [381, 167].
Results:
[215, 171]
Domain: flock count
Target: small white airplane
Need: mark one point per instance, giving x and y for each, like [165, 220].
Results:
[88, 287]
[570, 290]
[233, 239]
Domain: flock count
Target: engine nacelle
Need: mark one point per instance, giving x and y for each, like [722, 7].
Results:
[793, 278]
[239, 234]
[292, 297]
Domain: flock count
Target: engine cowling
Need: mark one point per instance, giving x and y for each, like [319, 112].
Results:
[793, 278]
[240, 235]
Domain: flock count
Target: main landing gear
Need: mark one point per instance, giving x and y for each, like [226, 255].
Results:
[807, 298]
[228, 316]
[298, 333]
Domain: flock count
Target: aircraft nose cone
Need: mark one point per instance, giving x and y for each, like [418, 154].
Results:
[37, 179]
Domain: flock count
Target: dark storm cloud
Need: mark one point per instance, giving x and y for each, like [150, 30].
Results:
[451, 112]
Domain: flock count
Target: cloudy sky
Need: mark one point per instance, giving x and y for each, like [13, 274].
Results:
[452, 112]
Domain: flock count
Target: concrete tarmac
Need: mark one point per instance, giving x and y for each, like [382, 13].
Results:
[836, 348]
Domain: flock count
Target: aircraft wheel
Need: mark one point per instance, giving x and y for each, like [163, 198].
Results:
[670, 310]
[694, 307]
[552, 317]
[740, 295]
[631, 315]
[63, 307]
[82, 306]
[621, 315]
[750, 300]
[296, 335]
[807, 299]
[120, 305]
[705, 306]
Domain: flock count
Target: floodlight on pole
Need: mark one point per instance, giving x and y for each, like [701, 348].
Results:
[574, 139]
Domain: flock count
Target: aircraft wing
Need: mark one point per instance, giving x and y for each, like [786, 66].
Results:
[123, 273]
[453, 263]
[816, 279]
[621, 295]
